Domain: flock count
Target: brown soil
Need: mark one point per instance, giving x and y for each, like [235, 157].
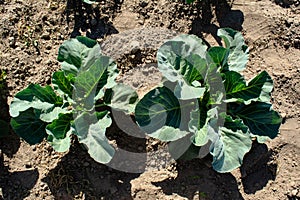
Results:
[31, 32]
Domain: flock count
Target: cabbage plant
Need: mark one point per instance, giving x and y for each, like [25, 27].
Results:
[78, 103]
[205, 105]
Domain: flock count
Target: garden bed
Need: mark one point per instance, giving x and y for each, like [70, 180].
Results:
[131, 32]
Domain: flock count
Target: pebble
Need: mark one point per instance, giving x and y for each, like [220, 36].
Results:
[283, 115]
[11, 41]
[144, 3]
[141, 22]
[28, 165]
[48, 47]
[48, 62]
[294, 192]
[46, 36]
[38, 59]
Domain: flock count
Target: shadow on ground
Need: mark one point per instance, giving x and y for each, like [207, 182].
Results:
[216, 14]
[92, 18]
[259, 168]
[197, 178]
[77, 174]
[14, 185]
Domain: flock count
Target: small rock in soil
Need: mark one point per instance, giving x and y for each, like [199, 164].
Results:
[46, 36]
[294, 192]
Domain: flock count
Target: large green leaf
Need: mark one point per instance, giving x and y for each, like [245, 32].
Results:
[158, 113]
[91, 133]
[34, 96]
[95, 78]
[62, 84]
[29, 126]
[122, 98]
[78, 53]
[261, 119]
[58, 132]
[238, 51]
[217, 55]
[229, 150]
[258, 89]
[182, 60]
[4, 128]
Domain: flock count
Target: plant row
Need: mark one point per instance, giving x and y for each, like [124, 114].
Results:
[203, 104]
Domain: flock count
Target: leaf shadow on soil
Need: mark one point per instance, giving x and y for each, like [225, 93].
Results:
[91, 19]
[216, 14]
[197, 178]
[259, 168]
[78, 174]
[15, 185]
[9, 142]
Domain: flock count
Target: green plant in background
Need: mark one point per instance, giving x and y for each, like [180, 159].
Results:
[224, 112]
[78, 103]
